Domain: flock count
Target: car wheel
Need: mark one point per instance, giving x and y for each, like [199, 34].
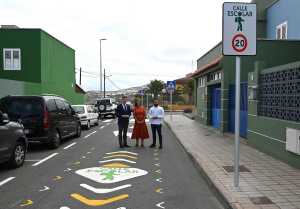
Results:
[97, 123]
[55, 142]
[88, 125]
[18, 156]
[78, 130]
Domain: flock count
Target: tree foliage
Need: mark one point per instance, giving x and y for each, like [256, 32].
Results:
[155, 87]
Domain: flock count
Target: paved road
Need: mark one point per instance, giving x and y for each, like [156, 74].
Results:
[91, 172]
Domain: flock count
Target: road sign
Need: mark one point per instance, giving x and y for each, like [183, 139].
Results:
[171, 85]
[239, 29]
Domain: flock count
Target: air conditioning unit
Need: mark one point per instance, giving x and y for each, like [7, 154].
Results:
[293, 140]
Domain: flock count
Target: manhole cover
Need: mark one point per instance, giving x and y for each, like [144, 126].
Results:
[261, 200]
[230, 169]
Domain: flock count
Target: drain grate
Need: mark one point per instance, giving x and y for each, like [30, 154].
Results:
[230, 169]
[263, 200]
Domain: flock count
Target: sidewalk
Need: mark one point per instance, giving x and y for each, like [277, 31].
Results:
[268, 184]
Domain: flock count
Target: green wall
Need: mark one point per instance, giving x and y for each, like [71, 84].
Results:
[47, 65]
[58, 64]
[28, 40]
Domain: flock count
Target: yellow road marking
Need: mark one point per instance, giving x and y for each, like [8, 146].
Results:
[156, 158]
[76, 163]
[159, 190]
[116, 165]
[57, 178]
[155, 154]
[120, 155]
[158, 171]
[91, 202]
[28, 202]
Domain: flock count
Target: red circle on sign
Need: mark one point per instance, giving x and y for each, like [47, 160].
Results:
[239, 43]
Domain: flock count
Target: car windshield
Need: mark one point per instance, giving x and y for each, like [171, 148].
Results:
[19, 108]
[104, 102]
[78, 109]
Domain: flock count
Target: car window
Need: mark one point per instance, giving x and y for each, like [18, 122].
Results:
[18, 108]
[60, 105]
[51, 106]
[68, 108]
[79, 109]
[90, 109]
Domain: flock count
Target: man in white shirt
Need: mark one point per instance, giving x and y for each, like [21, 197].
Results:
[156, 116]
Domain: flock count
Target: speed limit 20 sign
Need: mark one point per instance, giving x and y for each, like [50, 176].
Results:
[239, 29]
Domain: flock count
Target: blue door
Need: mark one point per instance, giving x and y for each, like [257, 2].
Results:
[243, 110]
[216, 106]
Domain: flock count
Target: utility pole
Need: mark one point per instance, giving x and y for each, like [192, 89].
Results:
[103, 39]
[80, 76]
[104, 83]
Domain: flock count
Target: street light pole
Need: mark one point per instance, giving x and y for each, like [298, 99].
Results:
[103, 39]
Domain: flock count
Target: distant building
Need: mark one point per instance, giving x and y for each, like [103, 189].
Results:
[34, 62]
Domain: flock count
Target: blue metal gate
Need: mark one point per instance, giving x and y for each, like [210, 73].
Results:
[216, 106]
[243, 110]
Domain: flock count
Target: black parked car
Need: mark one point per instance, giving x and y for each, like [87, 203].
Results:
[13, 143]
[46, 119]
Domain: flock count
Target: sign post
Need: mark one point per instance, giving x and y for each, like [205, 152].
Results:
[239, 39]
[171, 86]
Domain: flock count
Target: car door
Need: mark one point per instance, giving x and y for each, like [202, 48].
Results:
[90, 114]
[5, 139]
[62, 119]
[71, 119]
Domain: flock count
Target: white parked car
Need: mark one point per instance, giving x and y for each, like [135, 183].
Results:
[88, 115]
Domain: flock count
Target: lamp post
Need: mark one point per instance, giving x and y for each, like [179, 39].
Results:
[102, 39]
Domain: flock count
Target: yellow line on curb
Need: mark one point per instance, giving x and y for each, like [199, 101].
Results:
[101, 202]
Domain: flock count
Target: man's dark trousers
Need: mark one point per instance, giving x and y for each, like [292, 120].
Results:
[123, 126]
[156, 128]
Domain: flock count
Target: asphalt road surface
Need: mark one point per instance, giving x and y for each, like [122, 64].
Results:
[90, 172]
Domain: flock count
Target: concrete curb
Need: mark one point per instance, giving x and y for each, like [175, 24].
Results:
[213, 187]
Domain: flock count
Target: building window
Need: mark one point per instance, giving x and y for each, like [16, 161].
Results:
[201, 82]
[12, 59]
[281, 31]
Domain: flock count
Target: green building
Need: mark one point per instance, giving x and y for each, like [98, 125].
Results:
[34, 63]
[270, 86]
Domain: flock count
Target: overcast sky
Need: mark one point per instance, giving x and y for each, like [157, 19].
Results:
[146, 40]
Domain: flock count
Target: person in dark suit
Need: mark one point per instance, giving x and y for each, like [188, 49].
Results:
[123, 113]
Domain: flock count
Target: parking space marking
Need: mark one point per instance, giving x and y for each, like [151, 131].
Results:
[45, 159]
[117, 160]
[70, 145]
[107, 121]
[102, 202]
[104, 191]
[89, 134]
[116, 133]
[102, 127]
[6, 180]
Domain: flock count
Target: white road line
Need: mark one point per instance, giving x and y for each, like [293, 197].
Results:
[117, 160]
[110, 153]
[104, 191]
[107, 121]
[31, 160]
[6, 180]
[131, 126]
[116, 133]
[70, 145]
[43, 160]
[102, 127]
[90, 134]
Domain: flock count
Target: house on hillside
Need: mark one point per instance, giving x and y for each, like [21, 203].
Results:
[270, 83]
[34, 63]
